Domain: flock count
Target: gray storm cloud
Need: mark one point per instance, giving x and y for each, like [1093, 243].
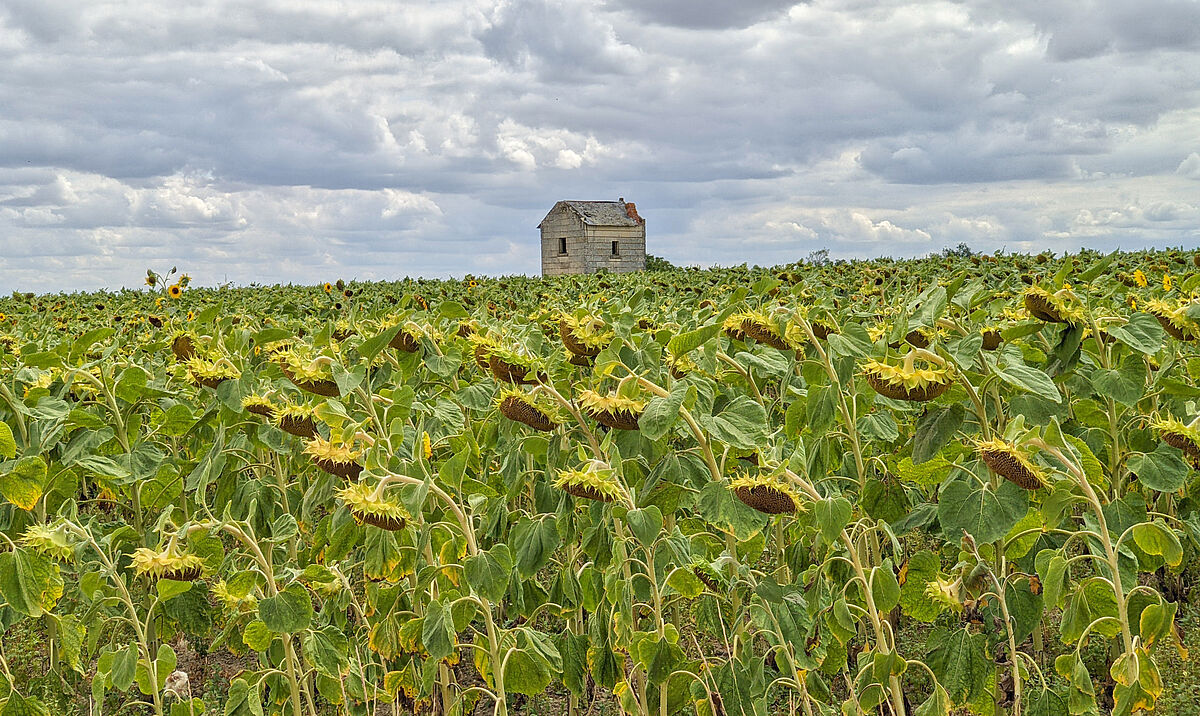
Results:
[277, 141]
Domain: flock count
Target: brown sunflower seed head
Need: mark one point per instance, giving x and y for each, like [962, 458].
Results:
[1005, 461]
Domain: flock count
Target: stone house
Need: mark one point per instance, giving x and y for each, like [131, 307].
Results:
[586, 236]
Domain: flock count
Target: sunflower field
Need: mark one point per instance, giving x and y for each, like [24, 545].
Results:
[960, 484]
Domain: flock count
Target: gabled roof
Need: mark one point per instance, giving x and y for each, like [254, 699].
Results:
[597, 213]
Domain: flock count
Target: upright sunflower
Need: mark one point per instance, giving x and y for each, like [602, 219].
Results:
[175, 291]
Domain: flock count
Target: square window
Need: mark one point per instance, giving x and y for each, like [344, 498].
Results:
[562, 246]
[615, 251]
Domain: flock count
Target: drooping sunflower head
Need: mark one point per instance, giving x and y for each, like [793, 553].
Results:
[945, 591]
[732, 326]
[991, 337]
[168, 563]
[1010, 462]
[762, 328]
[338, 459]
[370, 509]
[321, 449]
[906, 381]
[767, 493]
[614, 410]
[680, 365]
[259, 405]
[50, 540]
[211, 372]
[536, 411]
[593, 482]
[235, 599]
[513, 364]
[1179, 435]
[1174, 318]
[709, 576]
[1058, 307]
[302, 362]
[183, 345]
[584, 335]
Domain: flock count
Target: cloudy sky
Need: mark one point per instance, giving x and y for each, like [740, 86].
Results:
[284, 141]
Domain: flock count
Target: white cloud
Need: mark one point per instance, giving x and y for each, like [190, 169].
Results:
[275, 141]
[1190, 167]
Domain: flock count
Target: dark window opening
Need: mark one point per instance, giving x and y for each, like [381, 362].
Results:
[615, 252]
[562, 246]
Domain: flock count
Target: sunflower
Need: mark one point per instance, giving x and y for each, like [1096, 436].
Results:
[761, 328]
[211, 373]
[175, 291]
[169, 563]
[1178, 435]
[991, 338]
[765, 493]
[613, 411]
[234, 601]
[513, 366]
[259, 405]
[533, 411]
[732, 327]
[585, 336]
[709, 577]
[906, 382]
[327, 288]
[1173, 318]
[183, 346]
[1007, 461]
[1058, 307]
[296, 418]
[1140, 278]
[595, 482]
[472, 283]
[308, 371]
[370, 509]
[335, 458]
[52, 541]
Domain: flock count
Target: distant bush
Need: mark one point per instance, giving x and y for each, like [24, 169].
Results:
[657, 263]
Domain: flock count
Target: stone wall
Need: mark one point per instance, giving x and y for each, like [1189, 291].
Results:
[563, 223]
[589, 248]
[631, 246]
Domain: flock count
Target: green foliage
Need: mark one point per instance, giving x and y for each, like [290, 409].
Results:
[334, 484]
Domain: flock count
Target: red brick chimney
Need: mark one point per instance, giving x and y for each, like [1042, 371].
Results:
[631, 212]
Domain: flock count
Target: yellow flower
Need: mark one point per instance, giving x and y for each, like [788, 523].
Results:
[1167, 282]
[327, 288]
[191, 315]
[175, 291]
[184, 280]
[1139, 278]
[150, 280]
[426, 445]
